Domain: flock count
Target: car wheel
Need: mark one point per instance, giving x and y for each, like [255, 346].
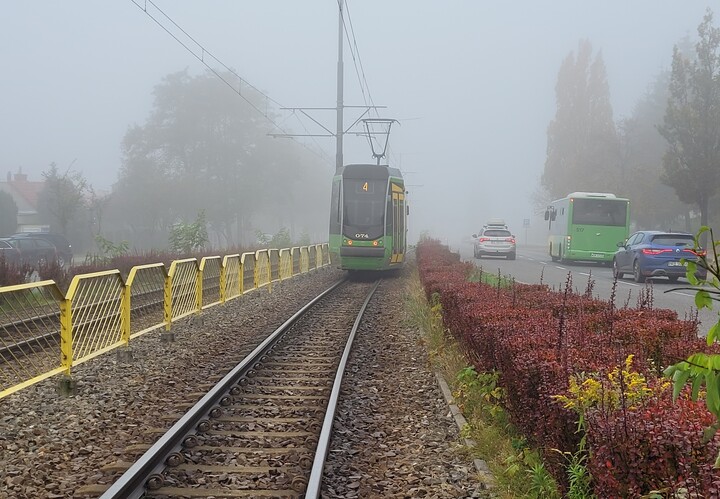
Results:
[673, 278]
[616, 271]
[511, 256]
[636, 273]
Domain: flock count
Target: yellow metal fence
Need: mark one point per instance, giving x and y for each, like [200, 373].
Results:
[44, 332]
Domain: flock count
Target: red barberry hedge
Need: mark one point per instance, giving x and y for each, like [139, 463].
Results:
[537, 339]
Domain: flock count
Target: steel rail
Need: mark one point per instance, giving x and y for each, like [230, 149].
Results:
[132, 483]
[316, 473]
[55, 317]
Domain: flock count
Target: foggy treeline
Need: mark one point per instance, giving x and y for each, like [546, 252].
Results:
[203, 152]
[204, 148]
[665, 157]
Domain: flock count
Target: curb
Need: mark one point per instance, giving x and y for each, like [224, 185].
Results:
[486, 476]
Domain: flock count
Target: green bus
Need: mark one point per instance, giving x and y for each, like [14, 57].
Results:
[587, 226]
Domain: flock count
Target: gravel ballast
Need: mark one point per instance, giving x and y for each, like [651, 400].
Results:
[395, 434]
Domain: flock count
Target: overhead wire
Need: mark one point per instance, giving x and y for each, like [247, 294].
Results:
[242, 80]
[355, 50]
[360, 71]
[355, 54]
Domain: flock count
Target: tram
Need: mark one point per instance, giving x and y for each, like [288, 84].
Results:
[368, 218]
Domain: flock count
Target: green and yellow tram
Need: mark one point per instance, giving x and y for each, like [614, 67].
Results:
[368, 218]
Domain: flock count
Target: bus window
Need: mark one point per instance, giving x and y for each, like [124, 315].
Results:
[599, 212]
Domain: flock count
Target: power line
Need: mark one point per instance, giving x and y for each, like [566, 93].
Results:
[201, 57]
[361, 75]
[360, 72]
[350, 35]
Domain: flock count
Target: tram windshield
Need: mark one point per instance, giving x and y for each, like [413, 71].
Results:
[364, 202]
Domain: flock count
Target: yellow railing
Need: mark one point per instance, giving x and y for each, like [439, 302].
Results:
[44, 332]
[91, 322]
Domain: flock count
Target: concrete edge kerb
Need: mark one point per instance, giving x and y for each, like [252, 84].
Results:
[486, 476]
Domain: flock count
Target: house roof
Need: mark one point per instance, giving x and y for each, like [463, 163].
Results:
[24, 192]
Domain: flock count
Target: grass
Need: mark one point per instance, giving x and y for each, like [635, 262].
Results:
[518, 469]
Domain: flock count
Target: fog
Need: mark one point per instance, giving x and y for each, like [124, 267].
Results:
[471, 83]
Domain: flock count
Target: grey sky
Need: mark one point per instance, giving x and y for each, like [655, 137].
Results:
[472, 82]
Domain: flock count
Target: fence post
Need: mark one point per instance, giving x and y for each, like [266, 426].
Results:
[66, 348]
[167, 301]
[199, 285]
[125, 314]
[223, 279]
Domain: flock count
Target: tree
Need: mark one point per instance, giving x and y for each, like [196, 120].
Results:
[62, 197]
[97, 205]
[187, 237]
[194, 153]
[8, 214]
[582, 147]
[205, 148]
[281, 239]
[654, 204]
[692, 121]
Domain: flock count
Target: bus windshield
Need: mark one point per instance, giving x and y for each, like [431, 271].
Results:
[599, 212]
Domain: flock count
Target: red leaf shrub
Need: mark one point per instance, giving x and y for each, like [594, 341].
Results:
[658, 446]
[11, 274]
[538, 338]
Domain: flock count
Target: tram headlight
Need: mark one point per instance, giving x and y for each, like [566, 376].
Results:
[349, 242]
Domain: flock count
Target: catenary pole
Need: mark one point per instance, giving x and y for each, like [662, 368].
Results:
[339, 126]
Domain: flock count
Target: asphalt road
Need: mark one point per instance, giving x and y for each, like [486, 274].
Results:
[533, 265]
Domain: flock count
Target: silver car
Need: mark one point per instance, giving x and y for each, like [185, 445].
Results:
[494, 241]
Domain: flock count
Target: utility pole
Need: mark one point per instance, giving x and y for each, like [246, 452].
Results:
[339, 108]
[339, 126]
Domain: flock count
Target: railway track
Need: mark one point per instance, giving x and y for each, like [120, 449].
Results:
[26, 336]
[263, 430]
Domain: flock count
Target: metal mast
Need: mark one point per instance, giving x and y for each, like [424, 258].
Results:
[339, 126]
[339, 108]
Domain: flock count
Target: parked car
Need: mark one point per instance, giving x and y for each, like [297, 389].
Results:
[62, 245]
[494, 240]
[652, 253]
[33, 251]
[9, 253]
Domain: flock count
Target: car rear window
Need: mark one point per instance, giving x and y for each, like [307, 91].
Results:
[673, 240]
[496, 233]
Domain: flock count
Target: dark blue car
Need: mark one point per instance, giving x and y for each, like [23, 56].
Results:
[652, 253]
